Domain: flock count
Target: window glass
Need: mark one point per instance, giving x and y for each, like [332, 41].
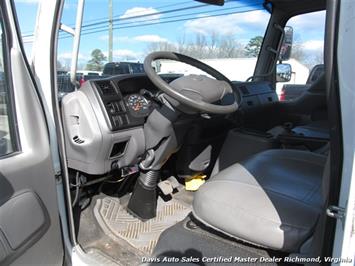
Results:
[137, 68]
[26, 15]
[226, 37]
[121, 69]
[6, 145]
[306, 54]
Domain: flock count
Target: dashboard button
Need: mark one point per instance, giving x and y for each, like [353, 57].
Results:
[116, 120]
[111, 108]
[124, 120]
[117, 107]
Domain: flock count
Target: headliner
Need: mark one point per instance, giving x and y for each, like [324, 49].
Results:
[299, 6]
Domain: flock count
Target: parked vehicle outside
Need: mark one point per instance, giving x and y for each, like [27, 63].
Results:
[291, 92]
[65, 86]
[89, 72]
[117, 68]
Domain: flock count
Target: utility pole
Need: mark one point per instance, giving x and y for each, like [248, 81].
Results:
[110, 31]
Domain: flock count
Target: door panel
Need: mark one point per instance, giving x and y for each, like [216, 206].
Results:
[29, 219]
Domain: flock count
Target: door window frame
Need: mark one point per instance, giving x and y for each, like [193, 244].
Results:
[8, 85]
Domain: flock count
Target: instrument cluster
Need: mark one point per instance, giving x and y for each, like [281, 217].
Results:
[138, 105]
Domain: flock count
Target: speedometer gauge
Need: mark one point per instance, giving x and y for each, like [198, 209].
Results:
[138, 104]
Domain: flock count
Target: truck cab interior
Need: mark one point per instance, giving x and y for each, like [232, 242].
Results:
[134, 142]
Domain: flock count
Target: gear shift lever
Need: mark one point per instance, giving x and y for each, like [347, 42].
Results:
[143, 202]
[161, 142]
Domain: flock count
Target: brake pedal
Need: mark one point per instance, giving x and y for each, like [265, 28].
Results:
[166, 187]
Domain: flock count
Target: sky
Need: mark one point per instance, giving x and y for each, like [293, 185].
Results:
[131, 39]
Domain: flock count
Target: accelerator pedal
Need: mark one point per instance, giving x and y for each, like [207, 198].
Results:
[174, 182]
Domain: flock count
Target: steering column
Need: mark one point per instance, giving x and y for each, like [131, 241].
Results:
[161, 143]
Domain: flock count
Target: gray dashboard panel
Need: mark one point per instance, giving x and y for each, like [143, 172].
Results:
[89, 139]
[256, 94]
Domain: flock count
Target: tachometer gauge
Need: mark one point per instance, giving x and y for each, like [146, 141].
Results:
[138, 104]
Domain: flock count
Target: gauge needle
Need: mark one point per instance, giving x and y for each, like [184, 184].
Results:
[137, 107]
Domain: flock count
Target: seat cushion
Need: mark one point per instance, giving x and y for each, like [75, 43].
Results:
[272, 199]
[316, 129]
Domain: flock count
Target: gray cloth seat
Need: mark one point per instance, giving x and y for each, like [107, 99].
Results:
[273, 199]
[315, 129]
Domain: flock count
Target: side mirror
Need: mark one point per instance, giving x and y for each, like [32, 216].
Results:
[283, 72]
[286, 47]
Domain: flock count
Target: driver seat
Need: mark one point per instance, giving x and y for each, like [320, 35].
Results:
[272, 200]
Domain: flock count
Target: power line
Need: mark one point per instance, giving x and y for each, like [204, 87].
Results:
[119, 17]
[147, 15]
[87, 28]
[158, 19]
[137, 12]
[105, 20]
[144, 15]
[161, 22]
[140, 16]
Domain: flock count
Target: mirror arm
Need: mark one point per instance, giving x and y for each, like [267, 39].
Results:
[275, 52]
[277, 26]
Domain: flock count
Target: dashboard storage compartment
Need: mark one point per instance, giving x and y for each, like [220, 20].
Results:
[118, 149]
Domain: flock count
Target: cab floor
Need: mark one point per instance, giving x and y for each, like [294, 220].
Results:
[109, 233]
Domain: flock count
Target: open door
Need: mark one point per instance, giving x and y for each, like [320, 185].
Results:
[30, 231]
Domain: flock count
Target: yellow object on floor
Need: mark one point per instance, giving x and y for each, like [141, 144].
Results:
[193, 183]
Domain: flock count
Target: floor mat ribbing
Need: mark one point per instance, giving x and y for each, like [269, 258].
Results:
[118, 223]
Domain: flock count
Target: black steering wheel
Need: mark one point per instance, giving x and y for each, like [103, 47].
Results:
[198, 92]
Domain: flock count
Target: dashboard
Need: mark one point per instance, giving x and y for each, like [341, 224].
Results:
[104, 120]
[127, 101]
[256, 94]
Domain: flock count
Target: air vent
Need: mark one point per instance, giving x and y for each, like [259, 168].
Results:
[244, 90]
[106, 87]
[78, 140]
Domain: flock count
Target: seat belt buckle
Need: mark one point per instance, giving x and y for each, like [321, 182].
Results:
[336, 212]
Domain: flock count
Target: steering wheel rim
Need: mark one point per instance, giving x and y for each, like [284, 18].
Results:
[195, 104]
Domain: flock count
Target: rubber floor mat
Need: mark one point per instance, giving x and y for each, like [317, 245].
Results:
[116, 222]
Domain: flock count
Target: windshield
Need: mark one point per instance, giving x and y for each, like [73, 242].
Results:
[116, 37]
